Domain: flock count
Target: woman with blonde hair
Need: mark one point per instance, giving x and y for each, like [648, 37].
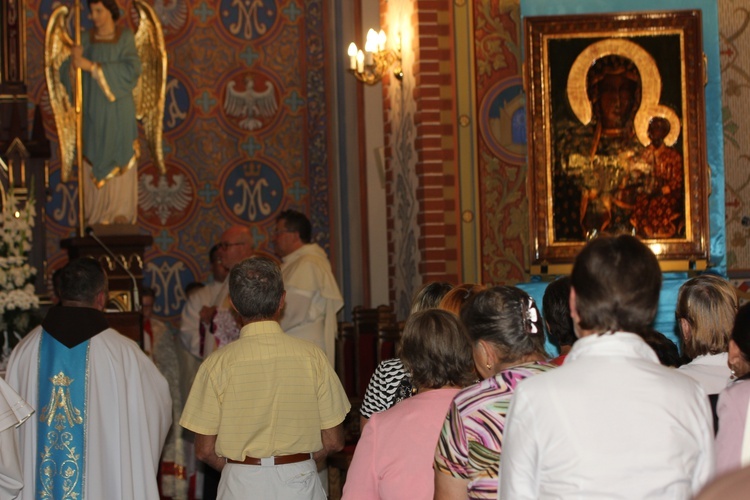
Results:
[706, 307]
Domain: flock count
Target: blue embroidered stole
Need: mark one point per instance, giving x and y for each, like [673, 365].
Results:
[61, 436]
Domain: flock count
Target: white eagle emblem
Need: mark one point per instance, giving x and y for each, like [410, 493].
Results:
[173, 14]
[163, 197]
[250, 104]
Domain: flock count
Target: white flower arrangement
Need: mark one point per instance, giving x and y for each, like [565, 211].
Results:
[17, 297]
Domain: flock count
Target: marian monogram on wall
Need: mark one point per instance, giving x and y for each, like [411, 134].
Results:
[617, 133]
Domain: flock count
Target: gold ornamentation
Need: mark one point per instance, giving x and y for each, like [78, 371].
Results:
[69, 469]
[60, 409]
[57, 49]
[151, 90]
[650, 86]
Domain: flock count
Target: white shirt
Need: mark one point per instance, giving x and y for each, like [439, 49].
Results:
[610, 423]
[711, 371]
[312, 298]
[212, 295]
[128, 413]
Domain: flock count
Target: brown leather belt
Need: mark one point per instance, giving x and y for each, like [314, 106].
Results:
[282, 460]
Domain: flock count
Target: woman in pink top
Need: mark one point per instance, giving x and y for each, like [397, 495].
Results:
[393, 459]
[733, 439]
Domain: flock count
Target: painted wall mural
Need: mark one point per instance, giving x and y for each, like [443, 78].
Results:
[734, 33]
[245, 132]
[501, 148]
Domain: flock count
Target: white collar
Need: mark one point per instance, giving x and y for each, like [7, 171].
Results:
[711, 359]
[617, 344]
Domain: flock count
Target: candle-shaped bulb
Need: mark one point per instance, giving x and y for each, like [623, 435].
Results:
[352, 53]
[381, 41]
[371, 45]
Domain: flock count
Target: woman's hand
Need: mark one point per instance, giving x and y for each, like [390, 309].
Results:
[79, 61]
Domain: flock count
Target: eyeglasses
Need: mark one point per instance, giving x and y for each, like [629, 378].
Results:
[224, 245]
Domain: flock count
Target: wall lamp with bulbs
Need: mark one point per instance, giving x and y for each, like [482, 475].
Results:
[371, 65]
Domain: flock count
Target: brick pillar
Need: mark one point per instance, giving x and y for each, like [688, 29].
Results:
[419, 121]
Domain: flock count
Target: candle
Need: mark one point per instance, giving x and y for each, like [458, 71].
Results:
[352, 52]
[371, 45]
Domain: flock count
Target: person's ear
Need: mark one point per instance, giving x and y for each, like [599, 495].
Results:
[282, 302]
[101, 299]
[488, 353]
[573, 307]
[685, 329]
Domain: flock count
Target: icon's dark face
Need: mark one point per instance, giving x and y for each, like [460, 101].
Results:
[616, 100]
[658, 129]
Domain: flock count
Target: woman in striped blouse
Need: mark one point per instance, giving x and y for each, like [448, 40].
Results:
[506, 330]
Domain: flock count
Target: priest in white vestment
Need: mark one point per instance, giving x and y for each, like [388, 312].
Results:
[312, 295]
[103, 409]
[200, 308]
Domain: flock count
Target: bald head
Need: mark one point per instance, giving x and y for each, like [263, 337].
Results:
[236, 245]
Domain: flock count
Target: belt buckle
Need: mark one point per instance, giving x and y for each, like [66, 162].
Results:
[267, 461]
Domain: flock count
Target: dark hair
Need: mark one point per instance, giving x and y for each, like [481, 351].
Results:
[436, 350]
[556, 307]
[617, 281]
[709, 304]
[81, 280]
[506, 317]
[213, 253]
[148, 291]
[665, 349]
[297, 222]
[56, 282]
[741, 331]
[110, 5]
[429, 296]
[256, 288]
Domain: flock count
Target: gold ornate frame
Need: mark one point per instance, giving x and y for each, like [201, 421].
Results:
[666, 49]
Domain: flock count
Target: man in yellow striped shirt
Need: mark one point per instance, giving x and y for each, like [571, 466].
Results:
[267, 405]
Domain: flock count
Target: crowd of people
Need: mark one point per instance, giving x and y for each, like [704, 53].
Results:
[616, 413]
[473, 407]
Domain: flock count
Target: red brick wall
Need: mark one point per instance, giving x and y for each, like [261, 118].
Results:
[434, 144]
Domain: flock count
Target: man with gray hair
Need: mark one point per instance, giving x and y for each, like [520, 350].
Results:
[265, 407]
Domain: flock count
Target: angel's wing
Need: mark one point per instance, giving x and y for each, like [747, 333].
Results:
[235, 103]
[150, 92]
[265, 101]
[57, 49]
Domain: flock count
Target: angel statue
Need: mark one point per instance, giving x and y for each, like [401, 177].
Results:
[249, 104]
[122, 78]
